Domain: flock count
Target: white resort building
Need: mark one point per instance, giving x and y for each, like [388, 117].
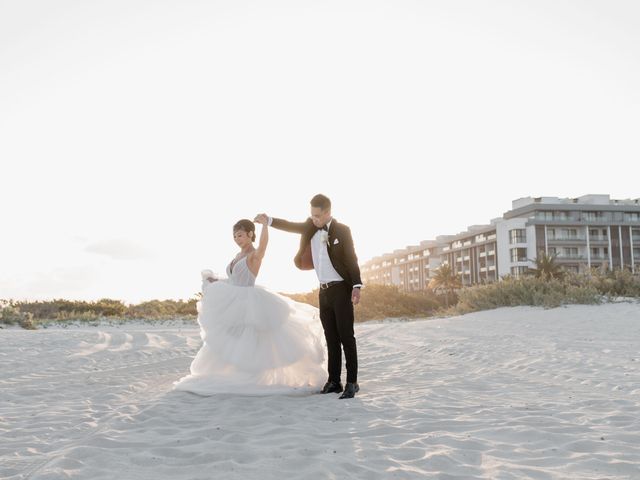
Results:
[583, 233]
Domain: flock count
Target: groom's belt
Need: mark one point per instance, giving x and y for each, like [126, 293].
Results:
[324, 286]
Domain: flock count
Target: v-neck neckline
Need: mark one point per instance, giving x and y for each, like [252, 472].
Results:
[235, 262]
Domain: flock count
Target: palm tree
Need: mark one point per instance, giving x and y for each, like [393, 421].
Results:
[546, 266]
[445, 280]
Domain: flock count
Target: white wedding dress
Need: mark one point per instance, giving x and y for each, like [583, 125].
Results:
[255, 341]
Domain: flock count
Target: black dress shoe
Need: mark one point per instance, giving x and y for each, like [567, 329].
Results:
[350, 389]
[331, 387]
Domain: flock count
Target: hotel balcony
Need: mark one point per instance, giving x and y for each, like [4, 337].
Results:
[598, 238]
[571, 258]
[567, 239]
[561, 217]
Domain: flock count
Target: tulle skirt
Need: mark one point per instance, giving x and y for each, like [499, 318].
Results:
[255, 342]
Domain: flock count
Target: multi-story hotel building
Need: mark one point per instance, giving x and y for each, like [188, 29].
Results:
[473, 254]
[583, 233]
[409, 268]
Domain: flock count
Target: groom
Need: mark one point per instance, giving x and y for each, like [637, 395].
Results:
[327, 247]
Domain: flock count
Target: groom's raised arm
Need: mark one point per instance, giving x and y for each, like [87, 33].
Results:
[293, 227]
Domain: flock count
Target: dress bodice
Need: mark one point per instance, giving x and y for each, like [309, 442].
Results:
[241, 275]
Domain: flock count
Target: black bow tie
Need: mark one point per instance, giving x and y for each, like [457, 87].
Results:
[325, 228]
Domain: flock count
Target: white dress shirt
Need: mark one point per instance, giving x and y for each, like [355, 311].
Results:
[321, 261]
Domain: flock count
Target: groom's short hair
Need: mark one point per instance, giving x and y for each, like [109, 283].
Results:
[321, 201]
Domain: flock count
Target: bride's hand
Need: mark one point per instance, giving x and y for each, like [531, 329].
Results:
[209, 275]
[262, 219]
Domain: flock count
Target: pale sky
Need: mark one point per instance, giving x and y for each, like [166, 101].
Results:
[134, 134]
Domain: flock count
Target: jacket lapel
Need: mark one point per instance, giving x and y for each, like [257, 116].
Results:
[332, 232]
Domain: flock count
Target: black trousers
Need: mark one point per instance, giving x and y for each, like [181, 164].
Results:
[336, 315]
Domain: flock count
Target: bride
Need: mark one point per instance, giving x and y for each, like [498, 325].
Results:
[254, 341]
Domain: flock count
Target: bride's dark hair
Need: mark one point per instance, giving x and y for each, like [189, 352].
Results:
[246, 226]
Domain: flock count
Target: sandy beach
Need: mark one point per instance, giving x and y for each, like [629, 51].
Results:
[511, 393]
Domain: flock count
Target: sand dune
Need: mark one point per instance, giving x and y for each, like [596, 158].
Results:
[506, 394]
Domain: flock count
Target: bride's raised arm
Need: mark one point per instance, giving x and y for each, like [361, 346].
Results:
[264, 240]
[255, 258]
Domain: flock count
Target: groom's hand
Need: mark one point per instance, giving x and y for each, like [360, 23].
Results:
[261, 218]
[355, 296]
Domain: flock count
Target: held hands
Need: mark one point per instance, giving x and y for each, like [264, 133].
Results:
[262, 218]
[355, 296]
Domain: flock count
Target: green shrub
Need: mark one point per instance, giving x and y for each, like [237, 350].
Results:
[11, 315]
[529, 290]
[68, 310]
[384, 301]
[617, 283]
[154, 309]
